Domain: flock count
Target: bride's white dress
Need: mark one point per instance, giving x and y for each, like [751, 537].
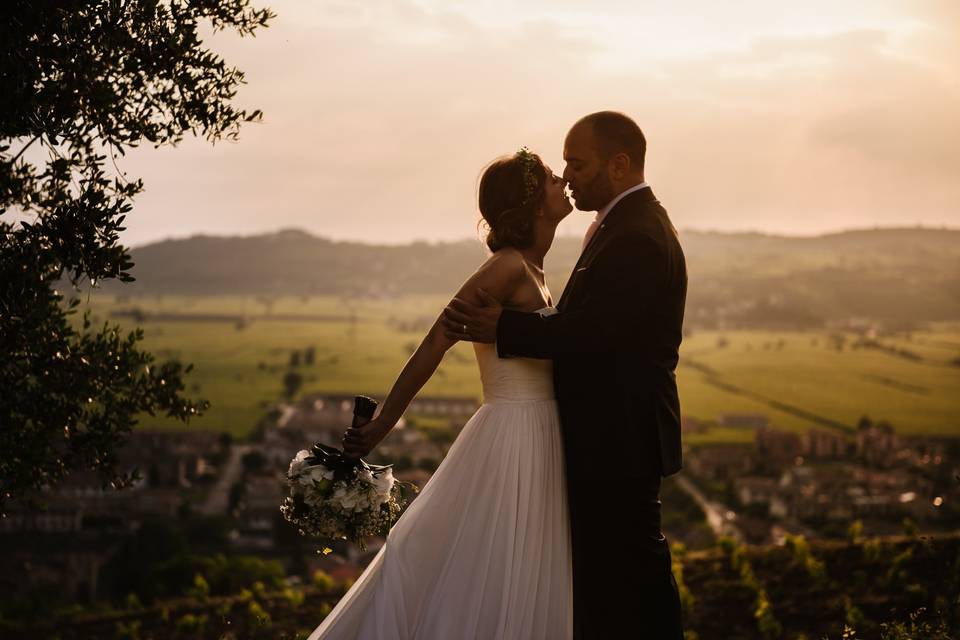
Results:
[484, 550]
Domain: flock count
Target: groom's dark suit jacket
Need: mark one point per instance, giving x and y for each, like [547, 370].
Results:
[614, 343]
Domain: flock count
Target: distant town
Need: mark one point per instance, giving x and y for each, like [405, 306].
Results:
[816, 484]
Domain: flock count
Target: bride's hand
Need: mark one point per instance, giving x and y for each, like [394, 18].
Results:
[359, 441]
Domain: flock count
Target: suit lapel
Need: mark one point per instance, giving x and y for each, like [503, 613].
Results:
[584, 255]
[618, 213]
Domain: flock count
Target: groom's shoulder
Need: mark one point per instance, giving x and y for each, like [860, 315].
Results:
[640, 225]
[645, 234]
[650, 219]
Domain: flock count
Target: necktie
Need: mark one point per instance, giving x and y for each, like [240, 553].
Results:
[591, 230]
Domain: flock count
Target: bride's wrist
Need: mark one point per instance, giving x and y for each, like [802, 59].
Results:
[387, 420]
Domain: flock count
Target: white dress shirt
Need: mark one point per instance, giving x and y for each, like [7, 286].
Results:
[603, 212]
[598, 220]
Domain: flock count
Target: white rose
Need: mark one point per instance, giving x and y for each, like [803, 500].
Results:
[309, 475]
[320, 472]
[363, 502]
[383, 483]
[298, 463]
[347, 499]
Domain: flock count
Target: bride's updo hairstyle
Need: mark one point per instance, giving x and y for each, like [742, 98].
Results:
[511, 189]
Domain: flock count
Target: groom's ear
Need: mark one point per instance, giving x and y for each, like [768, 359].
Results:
[619, 165]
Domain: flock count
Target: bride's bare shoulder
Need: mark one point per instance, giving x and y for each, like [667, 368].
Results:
[499, 275]
[506, 259]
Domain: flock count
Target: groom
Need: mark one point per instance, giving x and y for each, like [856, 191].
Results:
[614, 346]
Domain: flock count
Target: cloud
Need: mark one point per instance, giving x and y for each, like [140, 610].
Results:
[380, 115]
[377, 125]
[808, 134]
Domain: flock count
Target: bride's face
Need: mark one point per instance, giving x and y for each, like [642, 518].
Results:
[556, 205]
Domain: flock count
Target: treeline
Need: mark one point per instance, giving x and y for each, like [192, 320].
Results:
[890, 588]
[892, 275]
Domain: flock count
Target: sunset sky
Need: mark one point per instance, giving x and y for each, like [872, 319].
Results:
[783, 117]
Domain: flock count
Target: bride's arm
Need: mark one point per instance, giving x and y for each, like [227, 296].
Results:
[499, 275]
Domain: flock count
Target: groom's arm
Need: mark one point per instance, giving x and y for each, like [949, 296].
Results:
[625, 286]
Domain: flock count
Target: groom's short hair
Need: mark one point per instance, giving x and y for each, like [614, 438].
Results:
[614, 133]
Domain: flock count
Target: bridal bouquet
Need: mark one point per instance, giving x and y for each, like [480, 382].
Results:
[339, 498]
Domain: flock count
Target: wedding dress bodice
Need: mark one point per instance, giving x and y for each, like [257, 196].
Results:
[514, 379]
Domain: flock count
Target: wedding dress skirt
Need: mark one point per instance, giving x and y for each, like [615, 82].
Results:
[484, 550]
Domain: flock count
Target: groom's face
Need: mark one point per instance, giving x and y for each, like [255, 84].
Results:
[586, 172]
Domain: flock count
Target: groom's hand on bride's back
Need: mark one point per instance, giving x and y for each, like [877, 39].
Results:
[473, 323]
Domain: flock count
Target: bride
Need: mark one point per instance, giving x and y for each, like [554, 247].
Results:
[484, 550]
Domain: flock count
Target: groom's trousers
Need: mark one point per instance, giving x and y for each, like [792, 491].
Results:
[622, 575]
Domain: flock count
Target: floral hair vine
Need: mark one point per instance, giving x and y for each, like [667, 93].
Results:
[529, 161]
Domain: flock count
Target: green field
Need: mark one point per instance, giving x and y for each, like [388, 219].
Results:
[240, 369]
[806, 371]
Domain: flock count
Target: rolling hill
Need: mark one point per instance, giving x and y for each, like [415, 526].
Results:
[896, 276]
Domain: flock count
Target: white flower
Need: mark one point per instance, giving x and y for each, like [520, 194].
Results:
[320, 472]
[309, 475]
[313, 498]
[347, 498]
[298, 463]
[382, 486]
[383, 483]
[363, 502]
